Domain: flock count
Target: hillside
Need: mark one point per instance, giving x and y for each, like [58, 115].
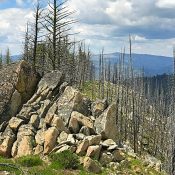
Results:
[152, 64]
[58, 122]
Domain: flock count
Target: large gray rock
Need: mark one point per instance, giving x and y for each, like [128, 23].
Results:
[78, 120]
[7, 140]
[94, 151]
[52, 80]
[50, 139]
[106, 158]
[25, 141]
[23, 146]
[18, 83]
[92, 165]
[48, 87]
[70, 100]
[62, 137]
[106, 125]
[15, 123]
[82, 147]
[94, 139]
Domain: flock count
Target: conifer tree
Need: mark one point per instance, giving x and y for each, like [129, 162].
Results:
[1, 59]
[8, 57]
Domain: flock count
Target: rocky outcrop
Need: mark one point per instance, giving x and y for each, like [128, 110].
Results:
[18, 82]
[57, 118]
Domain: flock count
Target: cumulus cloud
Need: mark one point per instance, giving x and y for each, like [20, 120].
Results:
[165, 3]
[19, 2]
[107, 23]
[12, 28]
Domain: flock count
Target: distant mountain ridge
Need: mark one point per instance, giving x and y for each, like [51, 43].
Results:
[13, 57]
[152, 64]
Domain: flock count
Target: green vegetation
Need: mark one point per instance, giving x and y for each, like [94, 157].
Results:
[65, 160]
[134, 166]
[29, 161]
[8, 165]
[67, 163]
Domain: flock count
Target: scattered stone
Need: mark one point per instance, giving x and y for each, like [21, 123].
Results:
[106, 158]
[80, 136]
[112, 148]
[92, 165]
[50, 138]
[6, 145]
[94, 152]
[77, 120]
[34, 121]
[26, 130]
[24, 146]
[62, 137]
[15, 123]
[48, 119]
[39, 137]
[71, 139]
[63, 148]
[94, 139]
[118, 155]
[82, 147]
[109, 142]
[38, 149]
[58, 123]
[87, 131]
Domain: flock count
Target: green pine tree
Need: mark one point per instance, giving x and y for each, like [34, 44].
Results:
[8, 57]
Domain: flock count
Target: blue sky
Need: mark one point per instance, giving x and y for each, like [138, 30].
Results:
[4, 4]
[102, 23]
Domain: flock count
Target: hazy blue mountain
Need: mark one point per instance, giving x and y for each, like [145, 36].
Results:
[14, 57]
[152, 64]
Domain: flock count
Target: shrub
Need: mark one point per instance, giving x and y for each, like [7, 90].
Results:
[29, 161]
[8, 165]
[65, 160]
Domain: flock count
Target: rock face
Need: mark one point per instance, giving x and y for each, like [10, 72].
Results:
[56, 118]
[71, 100]
[18, 82]
[106, 125]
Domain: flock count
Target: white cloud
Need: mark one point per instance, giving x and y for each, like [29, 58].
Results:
[106, 23]
[12, 28]
[19, 2]
[165, 3]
